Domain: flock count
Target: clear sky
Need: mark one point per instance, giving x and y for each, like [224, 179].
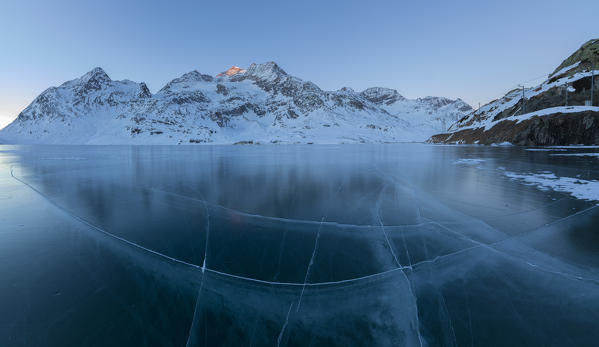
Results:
[473, 49]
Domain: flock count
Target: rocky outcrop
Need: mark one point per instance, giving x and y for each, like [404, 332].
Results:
[380, 96]
[233, 70]
[558, 129]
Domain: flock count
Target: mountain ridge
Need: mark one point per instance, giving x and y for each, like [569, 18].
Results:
[262, 104]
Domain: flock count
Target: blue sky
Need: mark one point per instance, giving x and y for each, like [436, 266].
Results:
[475, 50]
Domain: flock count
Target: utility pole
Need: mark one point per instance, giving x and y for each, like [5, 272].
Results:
[592, 82]
[567, 86]
[523, 102]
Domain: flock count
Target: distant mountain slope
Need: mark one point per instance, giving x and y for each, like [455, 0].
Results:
[542, 118]
[262, 104]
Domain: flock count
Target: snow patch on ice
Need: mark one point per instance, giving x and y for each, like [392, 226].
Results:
[546, 150]
[579, 188]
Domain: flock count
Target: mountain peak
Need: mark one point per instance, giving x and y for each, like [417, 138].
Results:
[266, 71]
[190, 77]
[97, 74]
[94, 79]
[233, 70]
[194, 76]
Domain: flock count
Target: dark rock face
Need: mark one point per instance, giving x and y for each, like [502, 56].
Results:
[559, 129]
[144, 92]
[380, 96]
[189, 98]
[94, 80]
[222, 89]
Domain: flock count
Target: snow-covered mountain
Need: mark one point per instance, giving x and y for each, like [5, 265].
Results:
[262, 104]
[423, 114]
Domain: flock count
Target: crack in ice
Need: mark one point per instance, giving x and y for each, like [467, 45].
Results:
[309, 266]
[195, 310]
[284, 326]
[327, 283]
[503, 253]
[377, 209]
[324, 217]
[83, 221]
[399, 266]
[280, 219]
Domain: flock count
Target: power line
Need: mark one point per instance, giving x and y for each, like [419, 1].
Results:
[518, 86]
[523, 108]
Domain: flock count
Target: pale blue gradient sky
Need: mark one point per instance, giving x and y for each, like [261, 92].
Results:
[475, 50]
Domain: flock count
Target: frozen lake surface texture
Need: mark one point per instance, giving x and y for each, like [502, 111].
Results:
[307, 245]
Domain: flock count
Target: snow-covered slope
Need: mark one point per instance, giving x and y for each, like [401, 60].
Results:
[424, 115]
[262, 104]
[557, 111]
[574, 75]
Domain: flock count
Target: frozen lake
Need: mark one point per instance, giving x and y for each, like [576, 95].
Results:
[384, 245]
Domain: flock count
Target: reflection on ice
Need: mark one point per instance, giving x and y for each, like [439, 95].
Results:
[577, 155]
[469, 161]
[297, 245]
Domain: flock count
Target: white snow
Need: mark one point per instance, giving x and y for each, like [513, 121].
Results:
[578, 188]
[544, 112]
[565, 69]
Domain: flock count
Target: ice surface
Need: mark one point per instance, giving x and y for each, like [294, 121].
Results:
[298, 245]
[469, 161]
[546, 149]
[578, 155]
